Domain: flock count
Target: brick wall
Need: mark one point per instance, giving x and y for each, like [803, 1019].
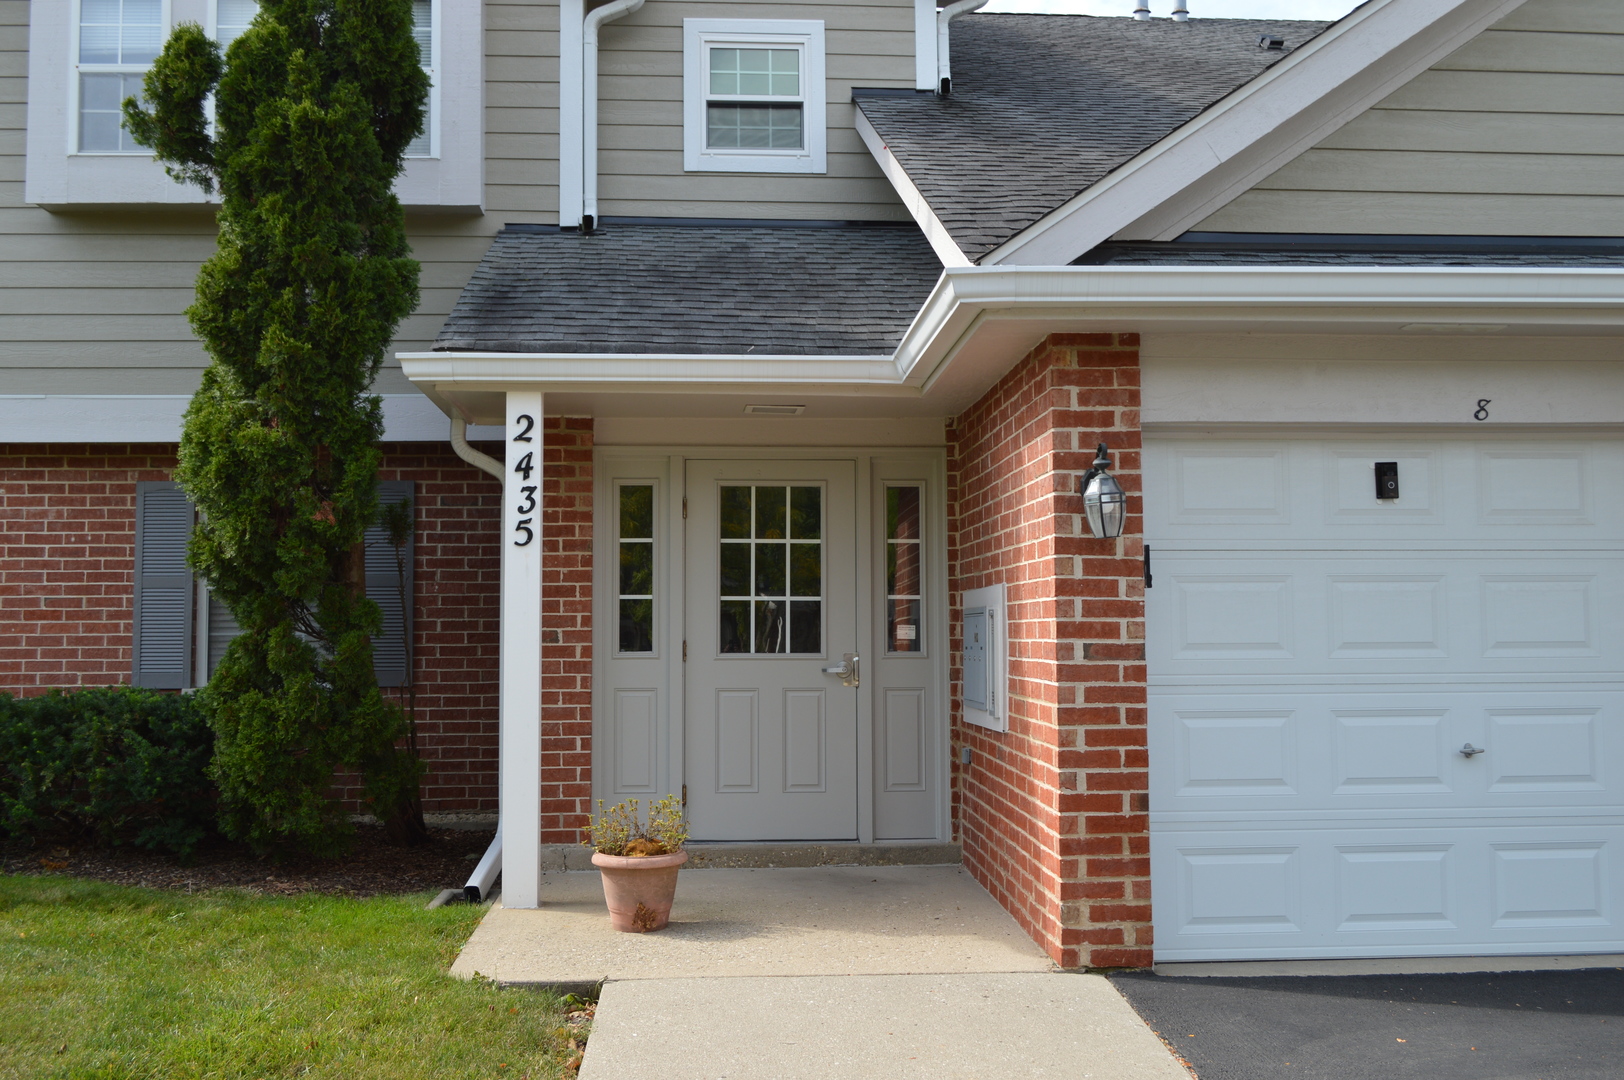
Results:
[1052, 813]
[67, 554]
[67, 561]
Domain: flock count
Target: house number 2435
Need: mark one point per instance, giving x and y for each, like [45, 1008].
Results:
[525, 466]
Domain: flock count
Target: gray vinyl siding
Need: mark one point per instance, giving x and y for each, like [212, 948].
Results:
[1518, 132]
[93, 302]
[641, 173]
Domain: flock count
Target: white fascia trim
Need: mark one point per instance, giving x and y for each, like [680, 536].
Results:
[1256, 129]
[940, 240]
[157, 418]
[1126, 298]
[1139, 297]
[651, 371]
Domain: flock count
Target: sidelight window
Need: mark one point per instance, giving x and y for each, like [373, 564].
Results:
[771, 554]
[904, 565]
[637, 568]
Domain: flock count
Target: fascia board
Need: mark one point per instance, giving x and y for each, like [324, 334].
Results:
[642, 372]
[1257, 128]
[1139, 298]
[1128, 298]
[941, 241]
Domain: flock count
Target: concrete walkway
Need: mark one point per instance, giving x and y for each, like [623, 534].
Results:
[849, 971]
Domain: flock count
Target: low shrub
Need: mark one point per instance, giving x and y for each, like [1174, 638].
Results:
[114, 764]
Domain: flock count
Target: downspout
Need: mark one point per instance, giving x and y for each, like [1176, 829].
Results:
[589, 104]
[484, 876]
[944, 66]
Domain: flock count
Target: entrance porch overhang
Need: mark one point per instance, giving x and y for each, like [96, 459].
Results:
[979, 321]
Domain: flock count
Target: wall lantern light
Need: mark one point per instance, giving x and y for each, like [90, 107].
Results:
[1103, 500]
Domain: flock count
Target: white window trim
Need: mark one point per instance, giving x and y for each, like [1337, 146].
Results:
[432, 121]
[57, 178]
[806, 35]
[75, 69]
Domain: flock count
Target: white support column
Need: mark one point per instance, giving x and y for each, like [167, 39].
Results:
[571, 133]
[520, 738]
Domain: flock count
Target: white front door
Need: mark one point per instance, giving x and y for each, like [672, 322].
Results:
[1386, 727]
[771, 739]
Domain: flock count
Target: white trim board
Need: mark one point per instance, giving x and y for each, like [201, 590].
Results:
[156, 418]
[1231, 146]
[941, 241]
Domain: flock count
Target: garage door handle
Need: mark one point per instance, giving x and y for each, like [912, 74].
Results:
[1469, 750]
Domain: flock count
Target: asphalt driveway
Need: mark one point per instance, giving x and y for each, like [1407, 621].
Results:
[1532, 1025]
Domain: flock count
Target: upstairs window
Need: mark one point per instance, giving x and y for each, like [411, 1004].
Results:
[231, 18]
[753, 95]
[117, 41]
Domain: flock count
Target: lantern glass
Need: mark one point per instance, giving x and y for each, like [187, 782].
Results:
[1105, 506]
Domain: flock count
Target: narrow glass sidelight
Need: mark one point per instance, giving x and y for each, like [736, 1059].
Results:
[904, 569]
[771, 569]
[636, 568]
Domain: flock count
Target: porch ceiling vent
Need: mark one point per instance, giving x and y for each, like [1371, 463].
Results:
[775, 410]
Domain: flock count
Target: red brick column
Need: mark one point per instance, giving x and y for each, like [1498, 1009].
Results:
[566, 631]
[1052, 813]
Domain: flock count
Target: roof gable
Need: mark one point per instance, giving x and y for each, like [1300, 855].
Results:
[1519, 132]
[1043, 106]
[1181, 176]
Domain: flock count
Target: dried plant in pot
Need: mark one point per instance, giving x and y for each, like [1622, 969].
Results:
[639, 861]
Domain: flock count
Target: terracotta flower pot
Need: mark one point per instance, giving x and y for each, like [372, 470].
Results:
[639, 889]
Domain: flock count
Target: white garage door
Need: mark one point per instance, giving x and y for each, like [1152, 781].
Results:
[1320, 659]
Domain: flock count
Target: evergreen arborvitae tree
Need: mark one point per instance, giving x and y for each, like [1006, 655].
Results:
[313, 108]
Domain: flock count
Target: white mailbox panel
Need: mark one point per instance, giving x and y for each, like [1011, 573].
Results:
[985, 666]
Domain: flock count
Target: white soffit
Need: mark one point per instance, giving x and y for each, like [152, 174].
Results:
[1256, 129]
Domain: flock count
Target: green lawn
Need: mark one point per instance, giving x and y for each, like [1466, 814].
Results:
[111, 982]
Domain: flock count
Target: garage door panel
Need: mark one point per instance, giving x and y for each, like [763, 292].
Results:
[1233, 891]
[1385, 727]
[1350, 747]
[1338, 613]
[1513, 486]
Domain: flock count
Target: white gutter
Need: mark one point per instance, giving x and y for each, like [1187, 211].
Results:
[589, 103]
[1286, 298]
[944, 65]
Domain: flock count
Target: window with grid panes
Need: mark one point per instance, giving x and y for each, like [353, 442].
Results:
[904, 569]
[754, 100]
[231, 18]
[636, 568]
[771, 569]
[117, 42]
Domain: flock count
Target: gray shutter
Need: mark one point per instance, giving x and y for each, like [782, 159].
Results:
[392, 649]
[162, 631]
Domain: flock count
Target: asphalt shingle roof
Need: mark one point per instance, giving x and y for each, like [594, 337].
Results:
[847, 290]
[1043, 106]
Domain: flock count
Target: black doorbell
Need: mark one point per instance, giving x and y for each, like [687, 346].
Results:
[1386, 479]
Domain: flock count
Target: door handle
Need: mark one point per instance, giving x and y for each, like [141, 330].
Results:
[1469, 750]
[847, 670]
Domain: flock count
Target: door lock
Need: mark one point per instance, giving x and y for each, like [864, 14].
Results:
[1469, 750]
[847, 669]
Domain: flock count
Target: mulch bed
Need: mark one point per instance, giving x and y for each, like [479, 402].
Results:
[374, 867]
